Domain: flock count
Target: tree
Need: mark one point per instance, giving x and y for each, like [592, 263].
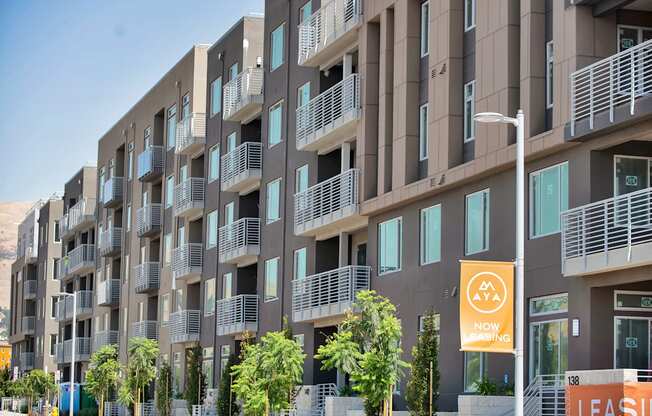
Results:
[102, 374]
[194, 382]
[424, 377]
[367, 348]
[140, 371]
[5, 382]
[164, 389]
[35, 385]
[225, 397]
[269, 372]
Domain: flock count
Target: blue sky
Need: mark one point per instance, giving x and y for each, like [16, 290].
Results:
[69, 69]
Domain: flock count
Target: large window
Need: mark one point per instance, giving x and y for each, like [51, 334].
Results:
[207, 366]
[390, 241]
[475, 369]
[165, 308]
[469, 14]
[469, 110]
[216, 96]
[273, 201]
[227, 285]
[305, 12]
[172, 126]
[209, 297]
[301, 179]
[423, 132]
[431, 234]
[303, 95]
[632, 173]
[128, 217]
[632, 342]
[548, 198]
[275, 124]
[211, 229]
[271, 279]
[548, 347]
[477, 222]
[425, 27]
[277, 47]
[233, 72]
[550, 66]
[548, 305]
[300, 263]
[167, 248]
[214, 163]
[130, 162]
[169, 191]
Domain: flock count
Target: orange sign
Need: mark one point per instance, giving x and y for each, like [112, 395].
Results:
[487, 306]
[631, 399]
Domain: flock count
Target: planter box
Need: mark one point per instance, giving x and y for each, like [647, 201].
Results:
[485, 405]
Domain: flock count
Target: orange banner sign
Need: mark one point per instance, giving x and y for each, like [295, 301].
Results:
[487, 306]
[631, 399]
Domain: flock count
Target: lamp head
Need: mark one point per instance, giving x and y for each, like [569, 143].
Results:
[489, 117]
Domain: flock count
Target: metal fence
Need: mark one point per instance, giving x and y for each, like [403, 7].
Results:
[243, 90]
[151, 162]
[113, 189]
[148, 276]
[188, 195]
[545, 396]
[187, 260]
[108, 292]
[29, 288]
[191, 133]
[83, 212]
[240, 162]
[148, 219]
[81, 257]
[237, 314]
[103, 338]
[237, 236]
[28, 324]
[184, 326]
[145, 329]
[110, 240]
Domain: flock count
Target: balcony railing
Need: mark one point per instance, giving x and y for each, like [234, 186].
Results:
[108, 292]
[329, 206]
[330, 118]
[110, 241]
[26, 361]
[79, 216]
[79, 260]
[328, 31]
[328, 294]
[617, 81]
[115, 409]
[615, 233]
[243, 96]
[145, 329]
[31, 254]
[28, 324]
[113, 191]
[103, 338]
[60, 268]
[239, 242]
[29, 289]
[189, 198]
[64, 309]
[148, 277]
[184, 326]
[151, 163]
[148, 220]
[191, 134]
[242, 168]
[187, 261]
[237, 314]
[82, 350]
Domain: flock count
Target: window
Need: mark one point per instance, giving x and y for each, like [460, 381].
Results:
[216, 96]
[305, 12]
[229, 213]
[423, 132]
[53, 343]
[301, 179]
[177, 373]
[207, 366]
[213, 163]
[128, 217]
[477, 222]
[126, 269]
[548, 305]
[211, 229]
[277, 47]
[125, 316]
[275, 124]
[550, 67]
[209, 297]
[469, 111]
[225, 353]
[389, 246]
[53, 306]
[165, 308]
[300, 263]
[130, 162]
[169, 191]
[271, 279]
[227, 285]
[431, 234]
[172, 126]
[631, 342]
[425, 27]
[233, 72]
[475, 369]
[57, 233]
[548, 347]
[231, 141]
[300, 339]
[273, 201]
[548, 199]
[469, 14]
[167, 248]
[303, 95]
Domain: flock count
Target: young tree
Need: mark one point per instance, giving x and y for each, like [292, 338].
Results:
[102, 374]
[36, 384]
[424, 377]
[164, 389]
[194, 383]
[367, 347]
[140, 371]
[225, 399]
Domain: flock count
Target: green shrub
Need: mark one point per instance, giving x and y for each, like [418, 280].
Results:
[486, 387]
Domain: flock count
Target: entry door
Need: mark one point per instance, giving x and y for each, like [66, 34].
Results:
[629, 37]
[632, 343]
[631, 174]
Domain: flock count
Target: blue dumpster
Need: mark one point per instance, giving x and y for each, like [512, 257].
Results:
[64, 406]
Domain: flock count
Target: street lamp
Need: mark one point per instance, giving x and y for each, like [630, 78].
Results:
[519, 123]
[72, 359]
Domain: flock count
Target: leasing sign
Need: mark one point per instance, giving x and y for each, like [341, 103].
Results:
[629, 399]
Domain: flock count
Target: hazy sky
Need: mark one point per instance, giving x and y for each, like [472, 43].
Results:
[70, 69]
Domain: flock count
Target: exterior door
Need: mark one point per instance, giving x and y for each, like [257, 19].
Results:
[636, 65]
[631, 174]
[632, 343]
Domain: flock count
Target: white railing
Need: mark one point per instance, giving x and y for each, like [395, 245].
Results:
[110, 240]
[611, 82]
[31, 254]
[326, 25]
[327, 110]
[187, 260]
[82, 350]
[145, 329]
[103, 338]
[148, 276]
[237, 314]
[149, 219]
[28, 324]
[108, 292]
[113, 189]
[545, 396]
[29, 288]
[245, 89]
[238, 163]
[189, 195]
[114, 409]
[191, 133]
[235, 237]
[184, 326]
[151, 162]
[61, 267]
[329, 293]
[65, 230]
[26, 360]
[83, 212]
[81, 257]
[326, 198]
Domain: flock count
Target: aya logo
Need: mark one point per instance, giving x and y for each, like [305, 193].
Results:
[486, 292]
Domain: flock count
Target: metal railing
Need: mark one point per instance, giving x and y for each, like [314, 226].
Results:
[114, 409]
[238, 164]
[329, 293]
[31, 254]
[82, 213]
[611, 82]
[145, 329]
[28, 324]
[148, 219]
[148, 276]
[113, 191]
[64, 309]
[191, 133]
[103, 338]
[184, 326]
[235, 237]
[326, 25]
[245, 89]
[151, 162]
[189, 195]
[60, 268]
[110, 241]
[29, 289]
[237, 314]
[187, 260]
[327, 110]
[26, 360]
[317, 400]
[108, 292]
[326, 198]
[82, 350]
[545, 396]
[81, 257]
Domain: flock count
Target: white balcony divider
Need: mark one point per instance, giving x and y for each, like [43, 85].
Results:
[148, 276]
[237, 314]
[110, 240]
[108, 292]
[81, 257]
[245, 89]
[189, 195]
[327, 109]
[28, 324]
[184, 326]
[83, 212]
[235, 237]
[240, 163]
[151, 162]
[326, 25]
[26, 361]
[611, 82]
[29, 289]
[191, 133]
[187, 260]
[113, 189]
[103, 338]
[148, 219]
[145, 329]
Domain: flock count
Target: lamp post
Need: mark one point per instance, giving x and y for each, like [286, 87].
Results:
[72, 359]
[519, 123]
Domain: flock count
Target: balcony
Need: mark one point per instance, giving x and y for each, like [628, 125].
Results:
[184, 326]
[148, 220]
[60, 269]
[189, 198]
[145, 329]
[243, 96]
[31, 255]
[191, 135]
[151, 163]
[110, 241]
[329, 294]
[613, 90]
[236, 315]
[242, 168]
[113, 191]
[148, 277]
[29, 289]
[26, 361]
[82, 350]
[28, 324]
[239, 242]
[328, 208]
[64, 309]
[329, 32]
[80, 216]
[608, 235]
[108, 293]
[80, 260]
[330, 118]
[103, 338]
[187, 261]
